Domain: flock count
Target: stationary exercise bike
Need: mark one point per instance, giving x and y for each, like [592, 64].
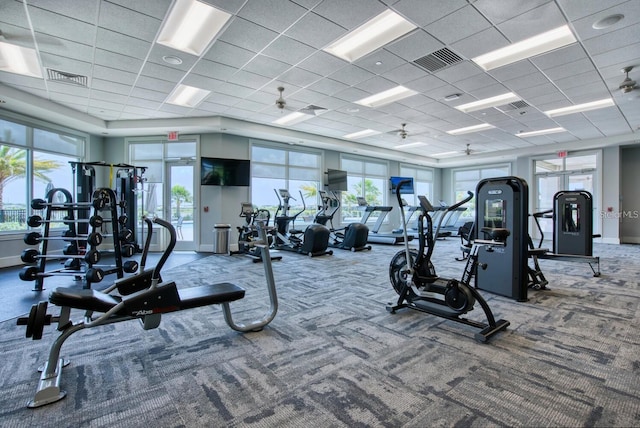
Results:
[414, 278]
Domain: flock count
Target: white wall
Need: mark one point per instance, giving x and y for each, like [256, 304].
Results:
[629, 209]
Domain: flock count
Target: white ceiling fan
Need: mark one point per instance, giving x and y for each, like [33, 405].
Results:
[281, 104]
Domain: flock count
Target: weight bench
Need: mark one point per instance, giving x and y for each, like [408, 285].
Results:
[146, 305]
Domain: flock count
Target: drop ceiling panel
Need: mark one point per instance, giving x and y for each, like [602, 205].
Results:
[421, 15]
[63, 27]
[315, 31]
[404, 73]
[299, 77]
[543, 18]
[121, 44]
[125, 21]
[276, 15]
[288, 50]
[349, 14]
[247, 35]
[458, 25]
[115, 60]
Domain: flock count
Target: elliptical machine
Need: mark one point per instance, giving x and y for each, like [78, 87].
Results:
[352, 237]
[248, 232]
[313, 241]
[414, 278]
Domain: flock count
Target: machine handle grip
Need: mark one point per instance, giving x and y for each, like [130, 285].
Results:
[462, 202]
[398, 187]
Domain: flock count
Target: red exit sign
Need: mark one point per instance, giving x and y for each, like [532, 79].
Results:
[562, 154]
[172, 136]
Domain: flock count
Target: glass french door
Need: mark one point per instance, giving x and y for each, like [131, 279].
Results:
[180, 207]
[549, 184]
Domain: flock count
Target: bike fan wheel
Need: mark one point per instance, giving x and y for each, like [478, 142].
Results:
[398, 270]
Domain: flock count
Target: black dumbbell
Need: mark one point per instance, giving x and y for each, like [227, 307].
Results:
[37, 221]
[31, 255]
[123, 220]
[130, 266]
[40, 204]
[125, 235]
[94, 239]
[31, 273]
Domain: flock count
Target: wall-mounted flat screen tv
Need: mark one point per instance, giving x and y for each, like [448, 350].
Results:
[406, 189]
[225, 172]
[337, 180]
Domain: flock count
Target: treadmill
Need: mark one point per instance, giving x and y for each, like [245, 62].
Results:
[375, 237]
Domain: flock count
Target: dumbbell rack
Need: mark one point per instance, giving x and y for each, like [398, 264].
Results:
[40, 273]
[117, 233]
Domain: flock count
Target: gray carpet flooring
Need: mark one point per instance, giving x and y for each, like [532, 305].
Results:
[334, 357]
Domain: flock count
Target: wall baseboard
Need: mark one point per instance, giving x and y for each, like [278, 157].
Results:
[615, 241]
[11, 261]
[630, 240]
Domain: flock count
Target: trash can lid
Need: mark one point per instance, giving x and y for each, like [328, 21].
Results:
[222, 226]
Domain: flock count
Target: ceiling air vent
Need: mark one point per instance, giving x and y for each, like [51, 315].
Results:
[438, 60]
[519, 104]
[516, 105]
[64, 77]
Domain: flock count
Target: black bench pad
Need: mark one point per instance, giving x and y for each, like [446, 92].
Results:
[87, 299]
[97, 301]
[209, 294]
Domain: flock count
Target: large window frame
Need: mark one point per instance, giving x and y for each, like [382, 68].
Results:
[423, 182]
[467, 179]
[41, 153]
[299, 170]
[367, 178]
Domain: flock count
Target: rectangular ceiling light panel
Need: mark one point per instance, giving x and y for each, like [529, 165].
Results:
[370, 36]
[578, 108]
[540, 132]
[408, 145]
[498, 100]
[292, 118]
[386, 97]
[187, 96]
[19, 60]
[470, 129]
[361, 134]
[191, 26]
[536, 45]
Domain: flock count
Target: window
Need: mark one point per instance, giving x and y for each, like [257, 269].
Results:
[422, 183]
[366, 179]
[274, 168]
[33, 161]
[465, 180]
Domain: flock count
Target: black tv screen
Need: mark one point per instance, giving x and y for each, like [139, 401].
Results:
[406, 189]
[337, 180]
[225, 172]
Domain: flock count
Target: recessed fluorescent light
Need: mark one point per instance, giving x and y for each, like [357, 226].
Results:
[293, 118]
[498, 100]
[607, 102]
[370, 36]
[361, 134]
[540, 132]
[387, 97]
[527, 48]
[191, 26]
[469, 129]
[405, 146]
[19, 60]
[445, 154]
[187, 96]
